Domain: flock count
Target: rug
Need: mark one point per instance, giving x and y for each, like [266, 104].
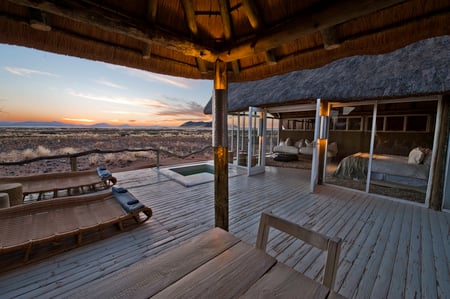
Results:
[301, 164]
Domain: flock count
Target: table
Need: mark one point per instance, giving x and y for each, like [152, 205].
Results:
[214, 264]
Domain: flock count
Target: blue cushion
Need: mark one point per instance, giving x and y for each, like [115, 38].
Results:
[103, 173]
[127, 200]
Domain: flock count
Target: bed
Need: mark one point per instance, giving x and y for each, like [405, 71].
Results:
[389, 168]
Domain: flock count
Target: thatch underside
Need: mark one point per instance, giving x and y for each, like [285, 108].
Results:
[416, 70]
[257, 38]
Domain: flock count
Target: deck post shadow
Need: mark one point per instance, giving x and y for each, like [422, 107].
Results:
[220, 144]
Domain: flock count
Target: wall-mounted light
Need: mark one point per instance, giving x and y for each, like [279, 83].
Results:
[324, 123]
[39, 20]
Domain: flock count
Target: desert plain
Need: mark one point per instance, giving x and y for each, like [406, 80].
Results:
[176, 145]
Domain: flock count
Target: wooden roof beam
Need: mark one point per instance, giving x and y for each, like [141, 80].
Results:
[256, 22]
[152, 9]
[193, 28]
[235, 67]
[336, 12]
[252, 14]
[227, 31]
[226, 20]
[119, 24]
[190, 17]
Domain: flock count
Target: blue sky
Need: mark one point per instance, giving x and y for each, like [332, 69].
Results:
[42, 86]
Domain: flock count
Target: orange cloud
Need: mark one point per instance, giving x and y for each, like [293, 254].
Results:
[80, 120]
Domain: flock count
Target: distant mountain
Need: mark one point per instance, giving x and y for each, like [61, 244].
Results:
[59, 124]
[101, 125]
[197, 124]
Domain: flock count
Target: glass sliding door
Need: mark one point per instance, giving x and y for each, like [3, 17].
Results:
[446, 198]
[348, 150]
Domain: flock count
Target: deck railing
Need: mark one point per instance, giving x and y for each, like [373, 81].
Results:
[73, 156]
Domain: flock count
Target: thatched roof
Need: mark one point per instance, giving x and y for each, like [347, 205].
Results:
[257, 38]
[422, 68]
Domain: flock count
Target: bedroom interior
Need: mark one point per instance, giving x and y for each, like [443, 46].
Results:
[402, 144]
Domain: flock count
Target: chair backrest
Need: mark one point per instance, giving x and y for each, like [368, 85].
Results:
[331, 245]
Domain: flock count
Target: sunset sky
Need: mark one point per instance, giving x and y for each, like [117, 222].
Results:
[41, 86]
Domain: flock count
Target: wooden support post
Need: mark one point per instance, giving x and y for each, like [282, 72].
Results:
[157, 159]
[73, 164]
[220, 145]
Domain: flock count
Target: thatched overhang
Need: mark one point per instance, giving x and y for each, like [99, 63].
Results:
[420, 69]
[256, 38]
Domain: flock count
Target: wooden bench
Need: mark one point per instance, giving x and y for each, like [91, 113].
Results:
[24, 226]
[63, 181]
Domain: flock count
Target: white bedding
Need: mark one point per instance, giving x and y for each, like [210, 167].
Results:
[397, 165]
[384, 167]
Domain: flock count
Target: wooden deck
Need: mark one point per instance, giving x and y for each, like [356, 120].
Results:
[390, 249]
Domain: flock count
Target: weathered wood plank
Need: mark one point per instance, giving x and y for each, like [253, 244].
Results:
[376, 254]
[351, 242]
[284, 282]
[413, 277]
[208, 280]
[386, 261]
[429, 288]
[441, 261]
[398, 278]
[151, 276]
[363, 250]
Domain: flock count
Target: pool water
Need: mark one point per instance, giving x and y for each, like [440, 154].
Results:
[194, 169]
[199, 173]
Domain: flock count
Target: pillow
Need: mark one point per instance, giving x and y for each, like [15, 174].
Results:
[416, 156]
[309, 143]
[288, 141]
[427, 160]
[299, 144]
[281, 143]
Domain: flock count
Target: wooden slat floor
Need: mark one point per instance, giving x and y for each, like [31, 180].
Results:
[390, 249]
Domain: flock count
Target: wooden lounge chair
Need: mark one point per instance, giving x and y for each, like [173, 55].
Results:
[24, 226]
[69, 181]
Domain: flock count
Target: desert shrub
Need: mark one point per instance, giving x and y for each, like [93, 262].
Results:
[28, 154]
[67, 150]
[127, 156]
[109, 158]
[43, 151]
[94, 160]
[10, 156]
[145, 154]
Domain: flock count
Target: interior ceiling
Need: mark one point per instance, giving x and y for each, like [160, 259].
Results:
[256, 38]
